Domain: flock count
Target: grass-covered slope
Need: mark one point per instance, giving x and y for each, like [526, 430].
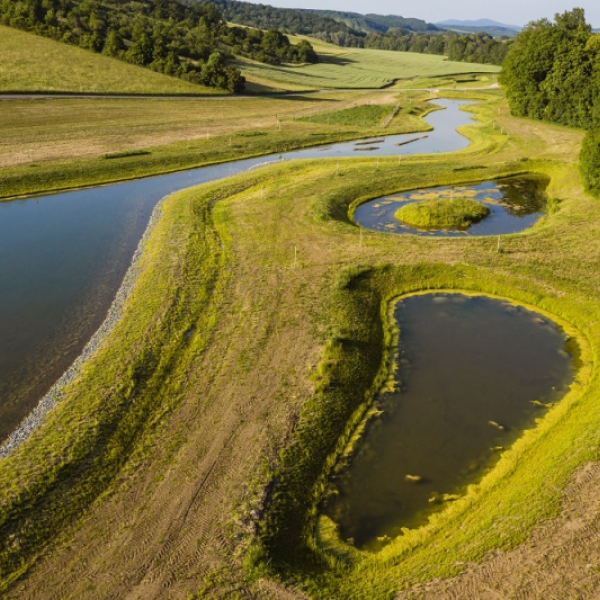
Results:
[351, 68]
[31, 63]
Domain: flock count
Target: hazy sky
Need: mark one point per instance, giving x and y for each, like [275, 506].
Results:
[514, 12]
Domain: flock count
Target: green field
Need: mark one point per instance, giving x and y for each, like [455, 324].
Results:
[346, 68]
[32, 63]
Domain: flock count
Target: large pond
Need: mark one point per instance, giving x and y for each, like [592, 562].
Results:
[474, 372]
[63, 257]
[514, 204]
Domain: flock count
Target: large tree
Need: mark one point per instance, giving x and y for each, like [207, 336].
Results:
[551, 71]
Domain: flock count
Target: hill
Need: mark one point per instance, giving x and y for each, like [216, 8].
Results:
[478, 23]
[192, 42]
[31, 63]
[490, 30]
[356, 68]
[372, 23]
[353, 30]
[289, 20]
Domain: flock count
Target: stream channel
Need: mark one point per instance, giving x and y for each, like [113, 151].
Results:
[63, 257]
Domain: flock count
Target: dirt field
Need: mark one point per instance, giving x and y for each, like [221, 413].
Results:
[560, 560]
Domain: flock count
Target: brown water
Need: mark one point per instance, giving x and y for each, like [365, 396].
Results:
[470, 368]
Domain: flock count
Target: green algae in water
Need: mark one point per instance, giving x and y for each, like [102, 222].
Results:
[472, 374]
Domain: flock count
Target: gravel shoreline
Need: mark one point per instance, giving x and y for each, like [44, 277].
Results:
[115, 311]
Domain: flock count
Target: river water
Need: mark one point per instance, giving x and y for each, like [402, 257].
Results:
[63, 257]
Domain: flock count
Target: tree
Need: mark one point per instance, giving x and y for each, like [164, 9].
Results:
[549, 72]
[589, 161]
[113, 45]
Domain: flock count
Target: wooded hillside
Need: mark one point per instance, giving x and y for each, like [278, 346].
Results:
[191, 42]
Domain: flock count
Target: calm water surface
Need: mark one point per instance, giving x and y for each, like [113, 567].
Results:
[515, 204]
[470, 368]
[63, 257]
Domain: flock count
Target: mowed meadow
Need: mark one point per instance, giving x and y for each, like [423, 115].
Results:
[188, 457]
[349, 68]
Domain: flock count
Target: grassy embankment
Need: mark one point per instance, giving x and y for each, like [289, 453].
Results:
[440, 214]
[351, 68]
[65, 143]
[221, 259]
[31, 63]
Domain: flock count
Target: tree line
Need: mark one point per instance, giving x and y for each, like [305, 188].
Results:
[395, 33]
[471, 47]
[552, 73]
[192, 42]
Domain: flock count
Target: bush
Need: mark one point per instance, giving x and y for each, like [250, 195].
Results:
[589, 161]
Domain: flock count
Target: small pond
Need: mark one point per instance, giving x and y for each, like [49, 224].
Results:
[474, 372]
[515, 204]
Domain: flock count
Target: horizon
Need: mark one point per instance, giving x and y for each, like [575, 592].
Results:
[510, 12]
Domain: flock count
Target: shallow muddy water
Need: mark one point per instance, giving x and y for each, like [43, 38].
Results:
[63, 257]
[515, 204]
[472, 371]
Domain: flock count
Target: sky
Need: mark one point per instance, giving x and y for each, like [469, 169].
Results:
[512, 12]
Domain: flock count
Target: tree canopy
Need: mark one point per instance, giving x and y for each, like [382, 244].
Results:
[552, 71]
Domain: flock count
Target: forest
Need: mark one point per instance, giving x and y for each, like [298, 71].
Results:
[191, 42]
[552, 73]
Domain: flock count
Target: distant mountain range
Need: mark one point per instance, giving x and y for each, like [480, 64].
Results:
[477, 23]
[371, 23]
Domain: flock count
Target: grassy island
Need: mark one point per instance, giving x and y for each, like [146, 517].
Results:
[457, 213]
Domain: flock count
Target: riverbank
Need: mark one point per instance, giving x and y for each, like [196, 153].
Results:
[75, 143]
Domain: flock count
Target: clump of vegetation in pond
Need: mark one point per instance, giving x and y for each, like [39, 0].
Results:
[456, 213]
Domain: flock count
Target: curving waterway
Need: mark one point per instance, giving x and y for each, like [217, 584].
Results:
[64, 256]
